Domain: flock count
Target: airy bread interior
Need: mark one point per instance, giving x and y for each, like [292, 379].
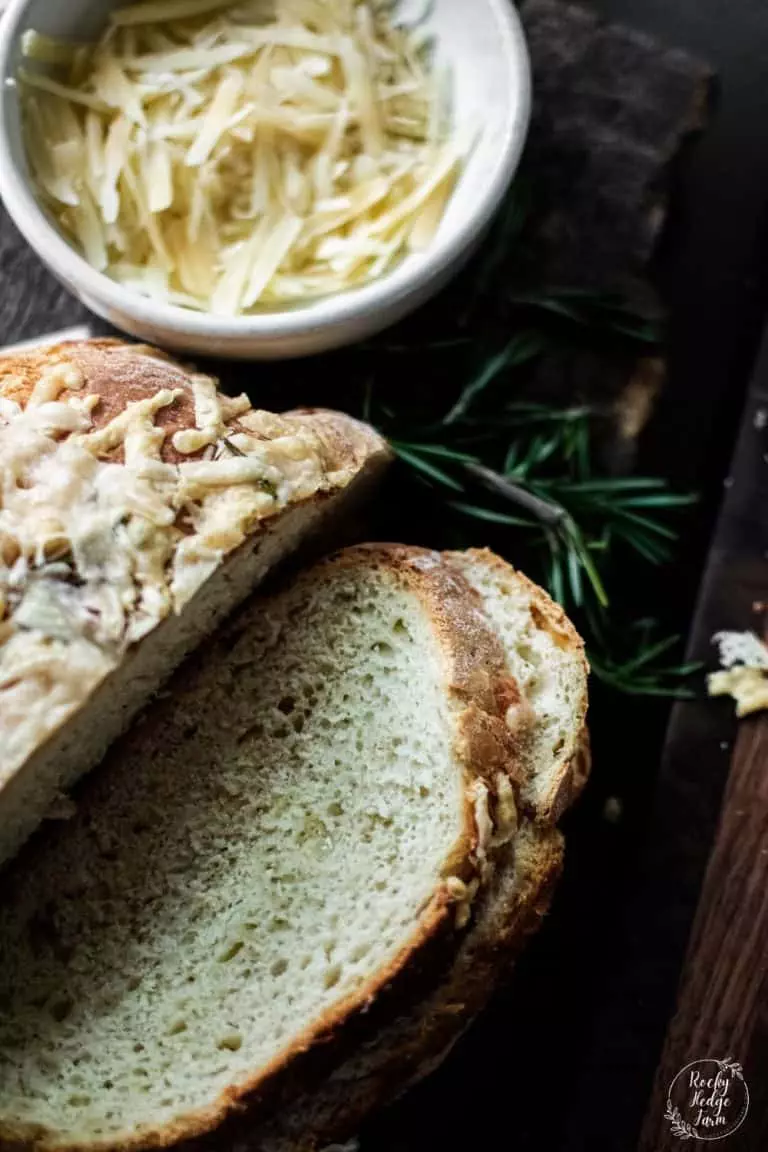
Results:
[408, 1048]
[545, 654]
[262, 846]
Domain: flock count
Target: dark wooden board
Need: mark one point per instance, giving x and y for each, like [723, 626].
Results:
[722, 1005]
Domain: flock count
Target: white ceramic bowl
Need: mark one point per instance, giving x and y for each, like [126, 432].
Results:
[482, 42]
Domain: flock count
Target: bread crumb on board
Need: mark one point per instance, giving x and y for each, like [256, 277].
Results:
[613, 810]
[62, 808]
[744, 671]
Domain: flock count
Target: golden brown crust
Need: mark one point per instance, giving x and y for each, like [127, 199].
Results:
[581, 765]
[480, 689]
[121, 373]
[551, 618]
[347, 443]
[547, 613]
[117, 372]
[478, 672]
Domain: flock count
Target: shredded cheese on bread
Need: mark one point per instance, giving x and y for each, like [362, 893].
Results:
[101, 537]
[232, 157]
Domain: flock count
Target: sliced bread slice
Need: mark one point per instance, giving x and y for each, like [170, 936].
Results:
[545, 655]
[410, 1047]
[140, 506]
[308, 812]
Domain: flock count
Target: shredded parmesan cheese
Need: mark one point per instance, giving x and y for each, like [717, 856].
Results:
[232, 157]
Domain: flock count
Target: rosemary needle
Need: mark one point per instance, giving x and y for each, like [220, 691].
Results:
[567, 520]
[549, 514]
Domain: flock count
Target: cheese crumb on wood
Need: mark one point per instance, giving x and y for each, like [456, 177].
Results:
[744, 675]
[233, 157]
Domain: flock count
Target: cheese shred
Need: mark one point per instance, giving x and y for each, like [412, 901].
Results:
[744, 671]
[236, 156]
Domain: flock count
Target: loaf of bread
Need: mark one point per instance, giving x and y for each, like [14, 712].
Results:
[331, 836]
[546, 655]
[138, 506]
[296, 879]
[307, 819]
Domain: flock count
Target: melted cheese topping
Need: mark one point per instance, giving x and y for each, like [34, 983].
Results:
[227, 156]
[96, 550]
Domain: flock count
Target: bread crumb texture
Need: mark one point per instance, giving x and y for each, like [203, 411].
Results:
[124, 484]
[263, 848]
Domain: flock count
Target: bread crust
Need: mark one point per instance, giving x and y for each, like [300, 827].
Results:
[410, 1047]
[121, 374]
[341, 451]
[117, 372]
[348, 443]
[549, 616]
[481, 693]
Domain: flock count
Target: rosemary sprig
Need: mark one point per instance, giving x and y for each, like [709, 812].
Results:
[520, 350]
[640, 669]
[564, 522]
[590, 310]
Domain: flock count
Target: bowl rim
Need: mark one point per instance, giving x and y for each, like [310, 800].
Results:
[326, 313]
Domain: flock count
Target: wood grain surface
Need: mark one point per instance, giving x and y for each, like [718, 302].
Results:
[722, 1007]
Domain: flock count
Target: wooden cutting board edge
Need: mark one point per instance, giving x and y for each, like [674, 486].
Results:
[722, 1002]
